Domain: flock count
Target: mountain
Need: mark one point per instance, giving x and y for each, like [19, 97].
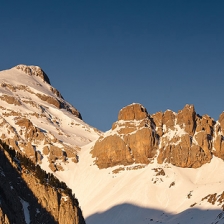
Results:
[36, 120]
[39, 124]
[148, 168]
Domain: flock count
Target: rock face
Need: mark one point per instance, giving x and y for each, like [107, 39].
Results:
[3, 218]
[185, 142]
[34, 70]
[24, 199]
[132, 112]
[184, 139]
[29, 136]
[133, 139]
[112, 151]
[218, 132]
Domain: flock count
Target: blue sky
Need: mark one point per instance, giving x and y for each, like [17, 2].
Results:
[105, 54]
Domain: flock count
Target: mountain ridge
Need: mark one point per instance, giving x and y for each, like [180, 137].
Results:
[34, 70]
[184, 139]
[167, 161]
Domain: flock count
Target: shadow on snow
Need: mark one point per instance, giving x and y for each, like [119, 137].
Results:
[133, 214]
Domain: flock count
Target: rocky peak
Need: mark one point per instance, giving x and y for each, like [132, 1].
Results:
[133, 111]
[184, 139]
[221, 121]
[36, 121]
[186, 118]
[168, 120]
[35, 71]
[132, 139]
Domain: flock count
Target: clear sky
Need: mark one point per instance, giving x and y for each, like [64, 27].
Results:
[105, 54]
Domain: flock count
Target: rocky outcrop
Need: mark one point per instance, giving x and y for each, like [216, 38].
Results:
[25, 137]
[186, 119]
[56, 99]
[60, 205]
[142, 144]
[34, 70]
[49, 100]
[133, 112]
[184, 139]
[132, 139]
[3, 217]
[58, 103]
[185, 142]
[10, 100]
[168, 121]
[111, 151]
[218, 141]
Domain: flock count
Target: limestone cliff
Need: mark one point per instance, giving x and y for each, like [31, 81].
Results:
[133, 139]
[184, 139]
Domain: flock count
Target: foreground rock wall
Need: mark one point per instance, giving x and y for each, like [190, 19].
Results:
[24, 199]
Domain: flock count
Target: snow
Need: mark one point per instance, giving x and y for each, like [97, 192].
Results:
[141, 194]
[1, 172]
[26, 211]
[65, 198]
[37, 211]
[178, 131]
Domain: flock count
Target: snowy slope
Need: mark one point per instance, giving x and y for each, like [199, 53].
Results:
[29, 96]
[54, 118]
[138, 196]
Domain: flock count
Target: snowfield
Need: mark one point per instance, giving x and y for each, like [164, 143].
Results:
[140, 196]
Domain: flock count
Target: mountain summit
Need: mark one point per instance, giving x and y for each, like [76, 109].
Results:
[35, 71]
[37, 121]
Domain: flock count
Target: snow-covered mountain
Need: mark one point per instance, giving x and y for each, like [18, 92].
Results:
[35, 119]
[160, 168]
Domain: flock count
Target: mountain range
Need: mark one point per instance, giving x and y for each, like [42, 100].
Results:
[148, 168]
